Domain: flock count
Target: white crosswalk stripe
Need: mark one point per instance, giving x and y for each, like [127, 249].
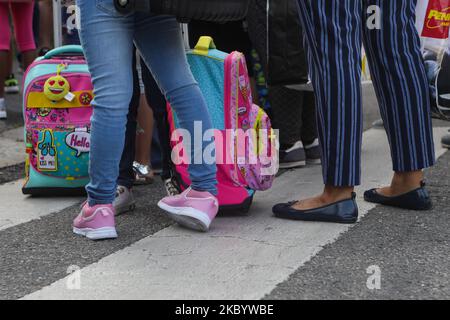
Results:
[241, 258]
[17, 208]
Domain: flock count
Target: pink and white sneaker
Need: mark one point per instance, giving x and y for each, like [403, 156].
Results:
[96, 223]
[191, 209]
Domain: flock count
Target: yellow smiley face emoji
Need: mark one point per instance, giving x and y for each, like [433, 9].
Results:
[56, 88]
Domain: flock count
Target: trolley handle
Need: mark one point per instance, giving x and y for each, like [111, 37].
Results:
[69, 50]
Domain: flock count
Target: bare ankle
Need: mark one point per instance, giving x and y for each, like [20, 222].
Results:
[406, 180]
[334, 194]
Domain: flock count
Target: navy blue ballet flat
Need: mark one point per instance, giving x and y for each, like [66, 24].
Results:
[418, 199]
[345, 211]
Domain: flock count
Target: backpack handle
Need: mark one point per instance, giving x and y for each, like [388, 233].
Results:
[65, 50]
[204, 44]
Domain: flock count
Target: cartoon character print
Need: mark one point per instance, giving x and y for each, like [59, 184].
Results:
[29, 137]
[85, 99]
[32, 115]
[245, 124]
[34, 136]
[57, 87]
[43, 112]
[47, 115]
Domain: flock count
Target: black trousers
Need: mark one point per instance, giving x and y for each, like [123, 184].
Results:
[157, 102]
[294, 114]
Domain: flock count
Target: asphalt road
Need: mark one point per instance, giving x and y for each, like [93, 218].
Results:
[252, 256]
[37, 253]
[411, 250]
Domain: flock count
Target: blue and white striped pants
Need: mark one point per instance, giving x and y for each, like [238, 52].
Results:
[335, 31]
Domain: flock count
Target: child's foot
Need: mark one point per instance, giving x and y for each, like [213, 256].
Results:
[11, 84]
[124, 200]
[144, 173]
[3, 114]
[96, 223]
[191, 209]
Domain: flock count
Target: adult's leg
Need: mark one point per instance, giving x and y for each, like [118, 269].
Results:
[333, 38]
[160, 42]
[400, 82]
[107, 39]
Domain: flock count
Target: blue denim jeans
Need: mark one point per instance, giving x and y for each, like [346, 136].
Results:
[107, 38]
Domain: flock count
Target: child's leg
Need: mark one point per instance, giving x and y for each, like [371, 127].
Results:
[4, 61]
[164, 53]
[45, 24]
[5, 40]
[126, 173]
[22, 13]
[112, 76]
[5, 35]
[145, 135]
[144, 138]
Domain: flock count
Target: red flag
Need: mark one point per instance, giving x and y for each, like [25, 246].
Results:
[437, 19]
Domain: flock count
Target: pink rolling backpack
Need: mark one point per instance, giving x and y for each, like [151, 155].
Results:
[247, 158]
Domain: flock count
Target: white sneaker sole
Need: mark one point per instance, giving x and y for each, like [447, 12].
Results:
[12, 90]
[313, 161]
[187, 217]
[292, 165]
[97, 234]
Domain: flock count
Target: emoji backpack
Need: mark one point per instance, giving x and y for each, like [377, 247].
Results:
[57, 110]
[246, 151]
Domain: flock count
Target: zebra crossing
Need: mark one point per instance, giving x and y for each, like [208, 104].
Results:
[243, 257]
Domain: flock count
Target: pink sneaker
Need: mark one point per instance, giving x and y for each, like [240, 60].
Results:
[96, 223]
[191, 209]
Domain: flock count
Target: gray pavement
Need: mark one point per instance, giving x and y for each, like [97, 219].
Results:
[14, 109]
[39, 252]
[11, 173]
